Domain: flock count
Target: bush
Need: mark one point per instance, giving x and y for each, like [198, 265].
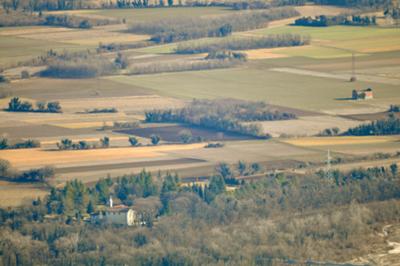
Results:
[155, 139]
[25, 74]
[133, 141]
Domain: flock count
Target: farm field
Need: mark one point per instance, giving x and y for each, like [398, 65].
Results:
[148, 14]
[286, 89]
[14, 195]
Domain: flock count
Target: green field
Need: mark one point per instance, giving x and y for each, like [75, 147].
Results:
[286, 89]
[334, 41]
[14, 49]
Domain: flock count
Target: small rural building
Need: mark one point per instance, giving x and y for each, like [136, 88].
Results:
[118, 215]
[363, 94]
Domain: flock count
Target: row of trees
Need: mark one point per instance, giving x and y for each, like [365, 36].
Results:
[235, 43]
[30, 143]
[324, 21]
[68, 144]
[389, 126]
[16, 105]
[178, 29]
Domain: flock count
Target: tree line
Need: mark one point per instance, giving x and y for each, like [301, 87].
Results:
[27, 144]
[179, 29]
[325, 21]
[242, 43]
[28, 176]
[16, 105]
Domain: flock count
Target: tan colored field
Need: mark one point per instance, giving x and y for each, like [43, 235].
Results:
[307, 125]
[88, 37]
[264, 53]
[29, 158]
[345, 140]
[126, 103]
[16, 194]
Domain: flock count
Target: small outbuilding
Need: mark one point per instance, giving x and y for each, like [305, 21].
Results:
[366, 94]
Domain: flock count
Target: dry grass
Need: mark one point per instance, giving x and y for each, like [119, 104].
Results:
[16, 194]
[28, 158]
[345, 140]
[266, 53]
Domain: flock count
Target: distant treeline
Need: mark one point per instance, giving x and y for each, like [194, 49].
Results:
[324, 21]
[178, 29]
[389, 126]
[30, 143]
[16, 105]
[242, 43]
[21, 18]
[355, 3]
[224, 115]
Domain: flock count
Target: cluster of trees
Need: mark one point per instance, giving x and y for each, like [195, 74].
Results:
[30, 143]
[31, 175]
[275, 220]
[224, 115]
[389, 126]
[79, 67]
[67, 144]
[235, 43]
[393, 12]
[334, 131]
[214, 145]
[324, 21]
[394, 108]
[226, 55]
[16, 105]
[176, 66]
[178, 29]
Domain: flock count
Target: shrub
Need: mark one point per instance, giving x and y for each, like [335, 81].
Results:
[133, 141]
[155, 139]
[25, 74]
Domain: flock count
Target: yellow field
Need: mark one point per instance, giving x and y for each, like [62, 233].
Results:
[28, 158]
[266, 53]
[324, 141]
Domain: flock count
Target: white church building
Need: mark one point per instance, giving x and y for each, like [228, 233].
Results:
[118, 215]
